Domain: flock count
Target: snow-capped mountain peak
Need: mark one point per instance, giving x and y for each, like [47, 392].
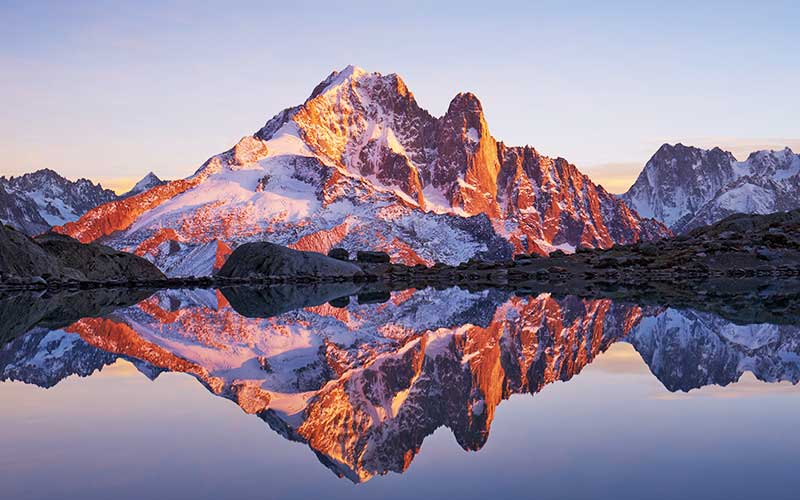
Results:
[686, 187]
[361, 165]
[149, 181]
[35, 201]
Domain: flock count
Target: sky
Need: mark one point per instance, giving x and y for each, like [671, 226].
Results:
[113, 90]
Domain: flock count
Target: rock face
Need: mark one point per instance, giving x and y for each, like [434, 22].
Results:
[61, 257]
[95, 261]
[686, 187]
[359, 165]
[267, 259]
[35, 202]
[21, 256]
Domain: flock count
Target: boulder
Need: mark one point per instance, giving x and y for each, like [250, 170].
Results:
[263, 259]
[373, 257]
[339, 254]
[21, 256]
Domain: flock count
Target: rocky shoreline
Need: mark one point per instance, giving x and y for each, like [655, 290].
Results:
[708, 260]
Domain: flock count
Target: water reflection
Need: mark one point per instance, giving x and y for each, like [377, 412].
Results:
[364, 381]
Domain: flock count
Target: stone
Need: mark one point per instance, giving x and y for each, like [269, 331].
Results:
[373, 257]
[263, 259]
[339, 254]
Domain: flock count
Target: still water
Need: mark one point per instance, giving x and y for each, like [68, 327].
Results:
[288, 393]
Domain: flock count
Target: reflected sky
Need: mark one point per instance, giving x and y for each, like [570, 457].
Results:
[593, 423]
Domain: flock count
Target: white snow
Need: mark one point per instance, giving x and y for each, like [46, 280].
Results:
[287, 141]
[549, 247]
[747, 198]
[348, 73]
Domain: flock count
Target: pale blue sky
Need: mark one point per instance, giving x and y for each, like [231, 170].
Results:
[111, 91]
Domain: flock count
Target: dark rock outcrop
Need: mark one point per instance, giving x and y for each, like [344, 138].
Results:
[339, 254]
[267, 259]
[373, 257]
[55, 256]
[23, 257]
[95, 261]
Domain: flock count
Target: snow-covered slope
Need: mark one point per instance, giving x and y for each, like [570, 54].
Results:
[36, 201]
[687, 187]
[360, 165]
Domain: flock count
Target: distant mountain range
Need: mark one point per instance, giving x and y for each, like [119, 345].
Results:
[686, 187]
[37, 201]
[360, 165]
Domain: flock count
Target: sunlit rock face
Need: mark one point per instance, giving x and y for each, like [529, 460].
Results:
[364, 384]
[361, 165]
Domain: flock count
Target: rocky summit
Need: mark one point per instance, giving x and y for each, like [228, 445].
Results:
[360, 165]
[36, 201]
[686, 187]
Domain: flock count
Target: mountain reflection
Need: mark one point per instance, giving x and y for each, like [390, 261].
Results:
[363, 382]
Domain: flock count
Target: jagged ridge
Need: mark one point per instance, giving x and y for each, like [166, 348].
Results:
[687, 187]
[361, 165]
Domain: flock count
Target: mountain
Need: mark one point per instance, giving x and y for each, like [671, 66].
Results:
[361, 165]
[149, 181]
[686, 187]
[36, 201]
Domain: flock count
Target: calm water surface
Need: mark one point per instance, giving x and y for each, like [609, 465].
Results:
[431, 394]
